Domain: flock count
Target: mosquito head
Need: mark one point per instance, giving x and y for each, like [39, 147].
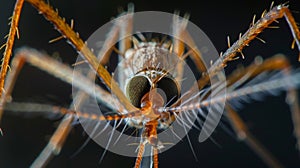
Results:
[147, 82]
[150, 90]
[152, 83]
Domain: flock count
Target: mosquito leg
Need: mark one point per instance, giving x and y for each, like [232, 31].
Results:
[80, 46]
[58, 70]
[107, 48]
[125, 24]
[195, 54]
[45, 109]
[56, 142]
[80, 97]
[274, 63]
[140, 155]
[244, 135]
[122, 28]
[237, 123]
[63, 72]
[244, 40]
[236, 79]
[155, 157]
[103, 57]
[10, 42]
[58, 138]
[72, 36]
[178, 28]
[178, 45]
[180, 32]
[256, 28]
[293, 101]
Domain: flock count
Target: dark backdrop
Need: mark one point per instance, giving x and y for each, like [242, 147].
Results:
[270, 120]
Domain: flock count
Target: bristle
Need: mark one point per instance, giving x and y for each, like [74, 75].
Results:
[253, 20]
[260, 39]
[56, 39]
[135, 42]
[17, 32]
[293, 44]
[228, 42]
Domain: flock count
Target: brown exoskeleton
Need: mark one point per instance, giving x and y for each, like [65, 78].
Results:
[142, 110]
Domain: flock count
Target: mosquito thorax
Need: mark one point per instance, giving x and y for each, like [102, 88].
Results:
[152, 85]
[150, 55]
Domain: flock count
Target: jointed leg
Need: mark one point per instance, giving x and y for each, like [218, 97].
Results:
[125, 26]
[178, 46]
[65, 73]
[68, 33]
[267, 18]
[155, 157]
[45, 109]
[80, 46]
[274, 63]
[140, 155]
[103, 57]
[278, 62]
[58, 138]
[58, 70]
[195, 54]
[56, 142]
[10, 42]
[256, 28]
[180, 32]
[80, 97]
[241, 77]
[244, 135]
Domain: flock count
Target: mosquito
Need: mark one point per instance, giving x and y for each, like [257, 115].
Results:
[150, 100]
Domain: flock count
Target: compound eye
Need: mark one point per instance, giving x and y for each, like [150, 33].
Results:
[170, 88]
[136, 88]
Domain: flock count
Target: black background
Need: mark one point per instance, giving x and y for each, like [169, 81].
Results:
[270, 121]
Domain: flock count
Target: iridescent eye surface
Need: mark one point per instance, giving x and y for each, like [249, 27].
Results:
[170, 88]
[136, 88]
